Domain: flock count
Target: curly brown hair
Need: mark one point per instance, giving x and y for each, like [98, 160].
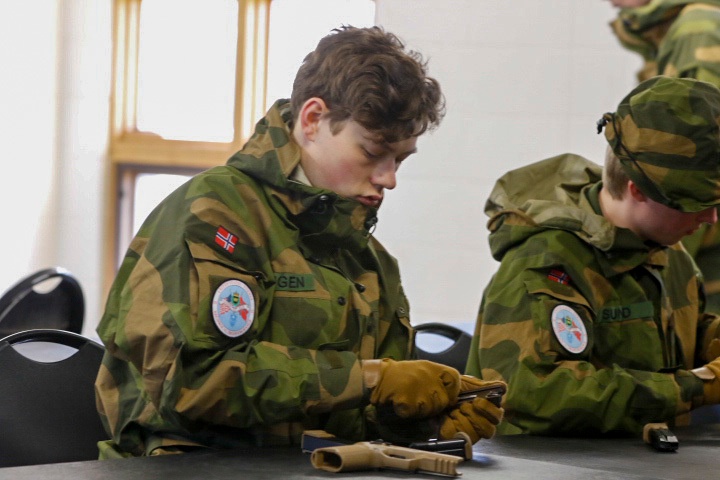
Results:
[365, 75]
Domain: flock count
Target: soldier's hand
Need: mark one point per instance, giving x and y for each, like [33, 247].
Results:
[414, 388]
[468, 383]
[477, 419]
[710, 374]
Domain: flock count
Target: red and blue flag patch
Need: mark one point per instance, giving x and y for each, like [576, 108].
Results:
[559, 276]
[225, 239]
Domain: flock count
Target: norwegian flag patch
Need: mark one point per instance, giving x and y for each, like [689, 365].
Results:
[225, 239]
[559, 276]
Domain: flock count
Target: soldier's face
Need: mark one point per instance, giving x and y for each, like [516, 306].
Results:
[353, 162]
[667, 226]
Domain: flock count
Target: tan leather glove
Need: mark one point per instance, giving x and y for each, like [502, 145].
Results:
[477, 419]
[414, 388]
[710, 374]
[468, 383]
[713, 349]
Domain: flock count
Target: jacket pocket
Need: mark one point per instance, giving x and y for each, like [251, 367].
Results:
[227, 300]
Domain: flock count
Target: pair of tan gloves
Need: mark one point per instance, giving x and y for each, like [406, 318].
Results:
[423, 389]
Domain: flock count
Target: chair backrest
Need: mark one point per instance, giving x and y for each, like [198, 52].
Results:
[47, 409]
[50, 298]
[454, 355]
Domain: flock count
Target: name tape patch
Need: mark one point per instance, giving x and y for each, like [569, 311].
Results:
[295, 282]
[627, 312]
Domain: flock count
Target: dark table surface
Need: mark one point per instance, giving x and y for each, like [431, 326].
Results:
[506, 458]
[698, 455]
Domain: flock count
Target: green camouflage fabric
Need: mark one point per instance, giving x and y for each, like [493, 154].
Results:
[666, 135]
[316, 292]
[704, 247]
[626, 313]
[681, 39]
[678, 38]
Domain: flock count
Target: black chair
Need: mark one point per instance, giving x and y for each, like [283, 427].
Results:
[47, 408]
[455, 355]
[50, 298]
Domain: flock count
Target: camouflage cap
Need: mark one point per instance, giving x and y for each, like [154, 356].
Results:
[666, 135]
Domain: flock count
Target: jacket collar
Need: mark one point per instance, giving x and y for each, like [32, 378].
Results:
[323, 218]
[562, 193]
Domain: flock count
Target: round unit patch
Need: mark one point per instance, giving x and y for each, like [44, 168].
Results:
[569, 329]
[233, 308]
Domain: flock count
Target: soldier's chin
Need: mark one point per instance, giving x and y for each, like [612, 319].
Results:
[671, 241]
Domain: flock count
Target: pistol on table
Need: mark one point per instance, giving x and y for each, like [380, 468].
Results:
[371, 455]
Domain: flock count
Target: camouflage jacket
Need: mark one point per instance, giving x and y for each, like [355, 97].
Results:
[593, 329]
[681, 38]
[677, 38]
[243, 306]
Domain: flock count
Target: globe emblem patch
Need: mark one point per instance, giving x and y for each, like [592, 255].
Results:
[569, 329]
[233, 308]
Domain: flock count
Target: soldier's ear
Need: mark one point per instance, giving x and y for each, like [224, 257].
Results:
[309, 117]
[635, 192]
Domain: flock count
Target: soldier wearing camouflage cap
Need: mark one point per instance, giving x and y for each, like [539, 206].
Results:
[596, 316]
[679, 38]
[255, 303]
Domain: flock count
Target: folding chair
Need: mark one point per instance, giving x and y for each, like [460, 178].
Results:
[454, 355]
[49, 298]
[47, 408]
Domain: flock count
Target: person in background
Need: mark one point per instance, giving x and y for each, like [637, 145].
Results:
[595, 316]
[680, 39]
[255, 303]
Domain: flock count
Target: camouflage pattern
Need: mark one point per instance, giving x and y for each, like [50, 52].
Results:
[639, 305]
[704, 247]
[326, 294]
[666, 135]
[681, 38]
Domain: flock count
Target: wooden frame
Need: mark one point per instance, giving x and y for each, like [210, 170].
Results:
[132, 152]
